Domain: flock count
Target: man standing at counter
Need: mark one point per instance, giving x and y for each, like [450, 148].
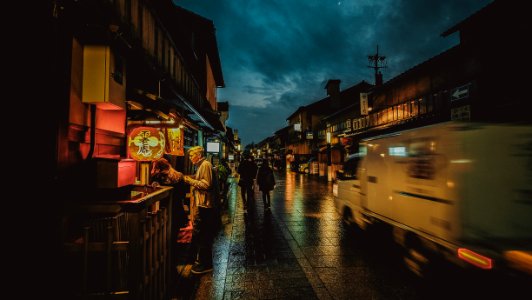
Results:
[204, 213]
[202, 206]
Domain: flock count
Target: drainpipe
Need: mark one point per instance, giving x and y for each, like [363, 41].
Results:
[92, 131]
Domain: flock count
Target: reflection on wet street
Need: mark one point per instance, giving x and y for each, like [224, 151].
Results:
[302, 250]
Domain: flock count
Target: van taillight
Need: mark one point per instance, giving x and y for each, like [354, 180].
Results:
[475, 259]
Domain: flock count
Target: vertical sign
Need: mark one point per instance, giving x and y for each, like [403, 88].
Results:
[364, 104]
[175, 141]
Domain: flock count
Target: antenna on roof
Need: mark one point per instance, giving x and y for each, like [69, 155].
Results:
[377, 62]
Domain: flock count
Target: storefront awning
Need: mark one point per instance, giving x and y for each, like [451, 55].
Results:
[148, 105]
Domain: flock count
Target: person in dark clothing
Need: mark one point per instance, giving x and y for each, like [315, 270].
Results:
[266, 182]
[223, 173]
[162, 173]
[248, 171]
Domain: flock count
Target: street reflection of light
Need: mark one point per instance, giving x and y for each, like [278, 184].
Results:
[432, 146]
[329, 225]
[289, 186]
[390, 198]
[293, 199]
[450, 184]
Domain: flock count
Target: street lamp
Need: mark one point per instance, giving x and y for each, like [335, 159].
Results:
[329, 160]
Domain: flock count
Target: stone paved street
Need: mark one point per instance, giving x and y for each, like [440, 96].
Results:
[302, 250]
[292, 252]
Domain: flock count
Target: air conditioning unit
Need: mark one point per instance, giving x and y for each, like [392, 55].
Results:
[104, 78]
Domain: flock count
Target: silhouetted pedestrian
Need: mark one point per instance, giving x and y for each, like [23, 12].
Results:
[266, 182]
[248, 171]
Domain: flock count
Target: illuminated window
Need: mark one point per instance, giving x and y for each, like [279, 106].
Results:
[397, 151]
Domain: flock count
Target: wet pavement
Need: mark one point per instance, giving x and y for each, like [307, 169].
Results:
[300, 249]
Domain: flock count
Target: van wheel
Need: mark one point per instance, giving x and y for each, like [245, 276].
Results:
[350, 222]
[361, 223]
[347, 217]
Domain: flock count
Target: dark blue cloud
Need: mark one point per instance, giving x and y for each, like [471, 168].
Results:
[277, 54]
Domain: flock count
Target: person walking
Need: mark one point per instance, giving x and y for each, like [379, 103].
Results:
[248, 171]
[266, 182]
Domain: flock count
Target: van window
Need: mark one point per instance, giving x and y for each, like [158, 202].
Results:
[422, 162]
[349, 168]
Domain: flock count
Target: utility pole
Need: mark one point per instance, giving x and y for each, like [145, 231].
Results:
[377, 62]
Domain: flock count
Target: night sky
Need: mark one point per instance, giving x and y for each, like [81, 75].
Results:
[277, 55]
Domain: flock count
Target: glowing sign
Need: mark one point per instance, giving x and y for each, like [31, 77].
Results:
[213, 147]
[176, 141]
[146, 143]
[364, 104]
[397, 151]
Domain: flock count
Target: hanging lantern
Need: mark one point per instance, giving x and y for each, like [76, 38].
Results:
[146, 144]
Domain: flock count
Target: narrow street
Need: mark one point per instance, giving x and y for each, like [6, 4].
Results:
[302, 250]
[410, 108]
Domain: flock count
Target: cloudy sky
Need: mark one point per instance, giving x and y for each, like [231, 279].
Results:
[277, 55]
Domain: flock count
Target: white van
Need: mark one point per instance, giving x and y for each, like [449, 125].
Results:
[457, 191]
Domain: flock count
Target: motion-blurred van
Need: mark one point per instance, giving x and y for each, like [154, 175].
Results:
[458, 192]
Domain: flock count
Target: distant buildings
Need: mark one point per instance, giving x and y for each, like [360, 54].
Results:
[478, 80]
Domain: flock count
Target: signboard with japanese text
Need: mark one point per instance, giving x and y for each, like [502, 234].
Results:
[175, 141]
[461, 113]
[364, 104]
[146, 143]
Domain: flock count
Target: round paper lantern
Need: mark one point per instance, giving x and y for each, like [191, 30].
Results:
[146, 143]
